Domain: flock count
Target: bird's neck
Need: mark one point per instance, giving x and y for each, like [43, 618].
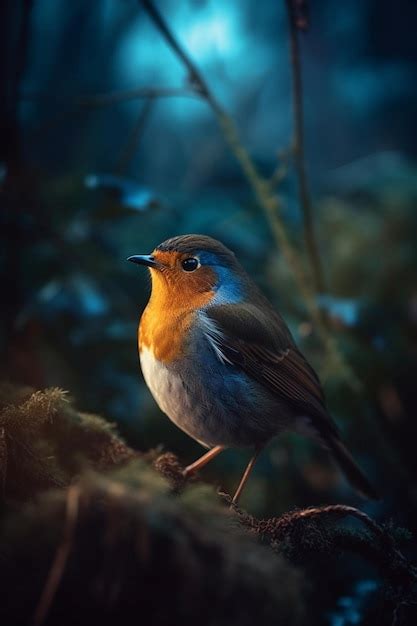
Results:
[166, 322]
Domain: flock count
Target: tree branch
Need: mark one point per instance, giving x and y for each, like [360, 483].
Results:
[377, 545]
[106, 99]
[299, 153]
[78, 103]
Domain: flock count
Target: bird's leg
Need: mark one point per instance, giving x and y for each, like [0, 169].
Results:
[245, 476]
[202, 461]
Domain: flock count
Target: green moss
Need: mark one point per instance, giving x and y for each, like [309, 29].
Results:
[137, 551]
[104, 535]
[140, 542]
[46, 443]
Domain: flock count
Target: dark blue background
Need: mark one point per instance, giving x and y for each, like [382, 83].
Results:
[85, 183]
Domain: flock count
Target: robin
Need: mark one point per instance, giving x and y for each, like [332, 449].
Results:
[222, 363]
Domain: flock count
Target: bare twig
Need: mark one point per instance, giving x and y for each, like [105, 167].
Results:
[396, 613]
[194, 76]
[110, 98]
[61, 557]
[281, 170]
[299, 153]
[85, 102]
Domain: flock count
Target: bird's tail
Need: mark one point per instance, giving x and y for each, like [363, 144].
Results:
[348, 466]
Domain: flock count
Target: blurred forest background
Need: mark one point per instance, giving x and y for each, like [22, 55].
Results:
[110, 144]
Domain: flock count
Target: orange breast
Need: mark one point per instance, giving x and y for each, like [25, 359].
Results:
[167, 319]
[165, 337]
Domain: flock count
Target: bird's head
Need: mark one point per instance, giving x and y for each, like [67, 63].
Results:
[192, 270]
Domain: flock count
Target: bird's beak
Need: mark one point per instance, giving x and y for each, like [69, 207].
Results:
[144, 259]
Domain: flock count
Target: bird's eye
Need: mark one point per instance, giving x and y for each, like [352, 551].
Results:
[190, 264]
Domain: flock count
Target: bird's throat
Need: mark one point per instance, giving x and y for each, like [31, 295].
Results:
[168, 317]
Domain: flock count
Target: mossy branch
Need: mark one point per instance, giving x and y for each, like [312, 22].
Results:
[36, 430]
[120, 521]
[306, 531]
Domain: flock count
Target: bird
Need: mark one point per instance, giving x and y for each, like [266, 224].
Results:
[221, 362]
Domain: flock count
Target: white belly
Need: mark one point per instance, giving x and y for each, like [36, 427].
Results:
[170, 393]
[211, 401]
